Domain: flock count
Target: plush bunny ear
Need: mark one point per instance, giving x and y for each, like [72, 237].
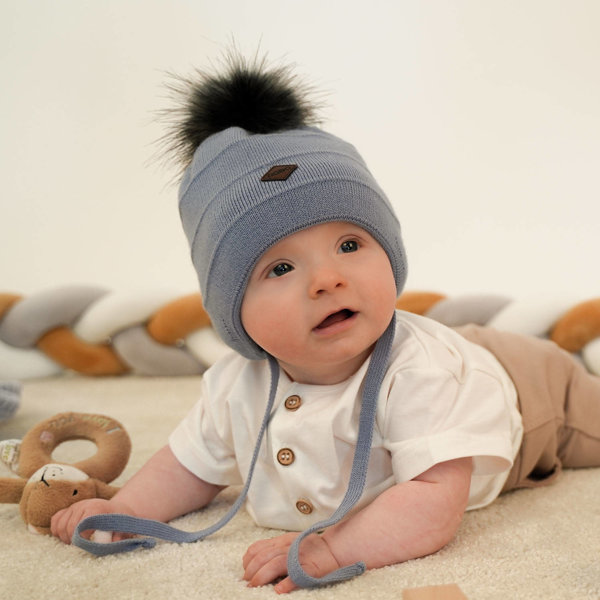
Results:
[246, 94]
[11, 490]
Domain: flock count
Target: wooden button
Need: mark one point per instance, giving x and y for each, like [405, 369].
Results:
[285, 457]
[293, 402]
[304, 506]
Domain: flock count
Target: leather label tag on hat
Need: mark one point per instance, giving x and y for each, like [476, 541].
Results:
[279, 173]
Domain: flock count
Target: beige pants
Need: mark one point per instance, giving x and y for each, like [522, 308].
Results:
[559, 402]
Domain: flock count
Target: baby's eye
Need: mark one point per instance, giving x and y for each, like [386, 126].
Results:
[280, 269]
[349, 246]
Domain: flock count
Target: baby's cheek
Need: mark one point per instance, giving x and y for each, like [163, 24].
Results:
[278, 342]
[264, 324]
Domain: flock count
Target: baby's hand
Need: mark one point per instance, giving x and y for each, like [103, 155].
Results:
[65, 521]
[266, 560]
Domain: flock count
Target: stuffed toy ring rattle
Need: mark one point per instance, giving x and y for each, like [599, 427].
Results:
[44, 486]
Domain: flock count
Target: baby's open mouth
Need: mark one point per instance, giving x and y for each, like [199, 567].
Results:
[336, 317]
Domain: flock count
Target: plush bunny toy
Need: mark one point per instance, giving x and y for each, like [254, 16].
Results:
[44, 487]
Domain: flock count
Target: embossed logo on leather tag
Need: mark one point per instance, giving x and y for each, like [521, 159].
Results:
[279, 173]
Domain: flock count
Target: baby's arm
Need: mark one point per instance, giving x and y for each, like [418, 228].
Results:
[162, 490]
[408, 520]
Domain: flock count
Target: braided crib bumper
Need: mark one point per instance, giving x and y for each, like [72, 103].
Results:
[94, 331]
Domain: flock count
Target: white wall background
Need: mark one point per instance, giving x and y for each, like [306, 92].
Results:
[481, 120]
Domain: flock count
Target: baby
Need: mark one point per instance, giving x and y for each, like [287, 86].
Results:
[373, 430]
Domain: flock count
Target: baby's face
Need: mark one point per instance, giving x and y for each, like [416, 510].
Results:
[319, 299]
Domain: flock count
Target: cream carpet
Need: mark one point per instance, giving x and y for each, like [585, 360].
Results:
[532, 544]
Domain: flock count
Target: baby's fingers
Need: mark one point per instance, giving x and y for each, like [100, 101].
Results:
[267, 547]
[251, 552]
[285, 586]
[64, 522]
[266, 570]
[58, 526]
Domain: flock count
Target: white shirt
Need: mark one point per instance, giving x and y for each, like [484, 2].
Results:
[441, 398]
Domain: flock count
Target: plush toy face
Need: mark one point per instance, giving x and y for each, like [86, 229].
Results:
[55, 472]
[51, 488]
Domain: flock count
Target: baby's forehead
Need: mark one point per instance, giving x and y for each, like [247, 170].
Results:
[329, 228]
[328, 231]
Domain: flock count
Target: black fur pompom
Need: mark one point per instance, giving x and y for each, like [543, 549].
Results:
[245, 94]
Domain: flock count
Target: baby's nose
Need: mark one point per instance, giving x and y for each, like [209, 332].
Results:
[325, 280]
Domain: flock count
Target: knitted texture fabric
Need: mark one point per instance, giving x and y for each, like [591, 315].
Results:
[235, 204]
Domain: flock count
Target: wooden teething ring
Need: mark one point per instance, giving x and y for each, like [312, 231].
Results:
[111, 439]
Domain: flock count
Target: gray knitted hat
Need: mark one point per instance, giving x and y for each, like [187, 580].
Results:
[251, 184]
